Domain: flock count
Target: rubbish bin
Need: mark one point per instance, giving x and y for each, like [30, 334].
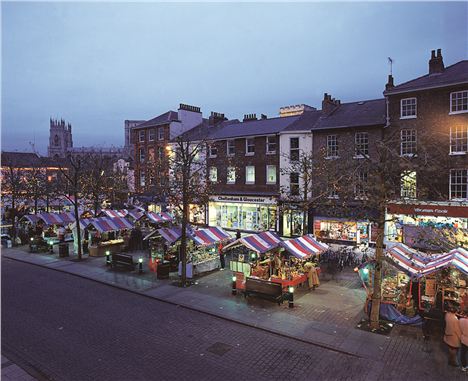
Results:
[63, 250]
[163, 270]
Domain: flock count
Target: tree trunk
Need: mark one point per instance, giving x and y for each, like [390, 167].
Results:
[35, 204]
[77, 214]
[13, 218]
[183, 240]
[377, 289]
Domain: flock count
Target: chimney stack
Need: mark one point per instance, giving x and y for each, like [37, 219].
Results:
[329, 104]
[389, 85]
[216, 118]
[436, 63]
[249, 117]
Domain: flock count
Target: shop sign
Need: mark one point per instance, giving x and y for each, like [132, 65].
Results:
[244, 199]
[428, 210]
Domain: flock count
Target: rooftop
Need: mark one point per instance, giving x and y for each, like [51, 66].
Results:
[167, 117]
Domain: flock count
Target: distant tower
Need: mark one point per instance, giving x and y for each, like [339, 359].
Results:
[60, 138]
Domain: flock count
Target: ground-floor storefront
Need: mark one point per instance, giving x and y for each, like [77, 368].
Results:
[404, 220]
[245, 213]
[344, 229]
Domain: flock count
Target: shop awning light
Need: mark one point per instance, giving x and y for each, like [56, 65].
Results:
[291, 289]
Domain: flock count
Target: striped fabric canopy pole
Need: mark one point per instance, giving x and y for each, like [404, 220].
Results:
[304, 247]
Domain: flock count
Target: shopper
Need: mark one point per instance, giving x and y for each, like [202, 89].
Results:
[312, 275]
[464, 342]
[452, 334]
[221, 256]
[238, 234]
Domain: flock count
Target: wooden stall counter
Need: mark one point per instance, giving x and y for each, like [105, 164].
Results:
[113, 246]
[296, 281]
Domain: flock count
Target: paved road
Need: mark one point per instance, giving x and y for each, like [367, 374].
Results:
[70, 328]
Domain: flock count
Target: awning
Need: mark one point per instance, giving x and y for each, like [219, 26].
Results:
[53, 218]
[114, 213]
[107, 224]
[32, 218]
[304, 247]
[260, 243]
[158, 218]
[67, 217]
[135, 214]
[170, 234]
[209, 236]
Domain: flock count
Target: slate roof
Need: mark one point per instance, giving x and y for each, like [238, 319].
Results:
[167, 117]
[454, 74]
[27, 160]
[354, 114]
[306, 121]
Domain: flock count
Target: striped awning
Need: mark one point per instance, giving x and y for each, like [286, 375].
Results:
[170, 234]
[135, 214]
[32, 218]
[160, 217]
[418, 264]
[261, 242]
[210, 236]
[107, 224]
[53, 218]
[304, 247]
[67, 217]
[114, 213]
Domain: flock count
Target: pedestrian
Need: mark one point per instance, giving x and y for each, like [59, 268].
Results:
[238, 234]
[312, 275]
[452, 334]
[464, 343]
[221, 256]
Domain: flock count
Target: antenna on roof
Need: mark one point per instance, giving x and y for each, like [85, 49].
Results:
[390, 62]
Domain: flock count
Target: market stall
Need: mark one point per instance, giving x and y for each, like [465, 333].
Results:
[113, 213]
[417, 283]
[105, 234]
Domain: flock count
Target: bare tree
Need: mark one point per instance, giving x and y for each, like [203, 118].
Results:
[36, 185]
[362, 182]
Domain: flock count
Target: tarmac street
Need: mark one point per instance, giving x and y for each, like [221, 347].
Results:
[57, 325]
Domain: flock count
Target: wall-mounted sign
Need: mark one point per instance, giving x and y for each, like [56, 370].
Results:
[428, 210]
[244, 199]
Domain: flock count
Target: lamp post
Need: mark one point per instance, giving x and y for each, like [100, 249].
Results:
[140, 265]
[108, 258]
[234, 289]
[291, 297]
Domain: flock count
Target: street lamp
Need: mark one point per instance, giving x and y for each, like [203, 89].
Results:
[140, 265]
[291, 297]
[234, 289]
[108, 259]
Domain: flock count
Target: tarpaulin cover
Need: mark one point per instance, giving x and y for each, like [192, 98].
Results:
[107, 224]
[114, 213]
[159, 217]
[170, 234]
[209, 236]
[390, 313]
[417, 264]
[304, 247]
[261, 242]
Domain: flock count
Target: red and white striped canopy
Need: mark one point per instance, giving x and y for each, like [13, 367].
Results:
[57, 218]
[160, 217]
[114, 213]
[210, 236]
[261, 242]
[304, 247]
[135, 214]
[170, 234]
[107, 224]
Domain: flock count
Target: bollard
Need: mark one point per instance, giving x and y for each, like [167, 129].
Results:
[234, 289]
[140, 265]
[291, 297]
[108, 259]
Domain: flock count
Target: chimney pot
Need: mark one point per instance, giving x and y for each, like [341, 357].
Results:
[433, 54]
[439, 53]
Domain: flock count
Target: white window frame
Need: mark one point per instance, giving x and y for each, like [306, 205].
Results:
[141, 136]
[335, 147]
[161, 133]
[267, 175]
[464, 95]
[247, 181]
[213, 174]
[409, 192]
[152, 135]
[247, 153]
[291, 184]
[458, 133]
[142, 179]
[405, 143]
[461, 185]
[210, 151]
[361, 185]
[407, 100]
[358, 155]
[231, 170]
[268, 151]
[141, 153]
[233, 142]
[291, 150]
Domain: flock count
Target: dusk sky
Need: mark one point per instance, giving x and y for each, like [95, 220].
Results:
[97, 64]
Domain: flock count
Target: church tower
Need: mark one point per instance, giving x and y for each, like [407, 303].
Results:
[60, 138]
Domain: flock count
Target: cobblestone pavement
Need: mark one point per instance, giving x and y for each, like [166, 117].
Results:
[70, 328]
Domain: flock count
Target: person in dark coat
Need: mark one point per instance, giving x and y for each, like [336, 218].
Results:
[238, 234]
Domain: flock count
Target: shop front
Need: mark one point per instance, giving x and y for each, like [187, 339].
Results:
[293, 221]
[404, 221]
[342, 229]
[245, 213]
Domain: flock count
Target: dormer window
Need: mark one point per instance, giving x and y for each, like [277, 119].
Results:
[408, 108]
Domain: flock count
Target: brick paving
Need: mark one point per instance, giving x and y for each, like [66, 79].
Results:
[325, 317]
